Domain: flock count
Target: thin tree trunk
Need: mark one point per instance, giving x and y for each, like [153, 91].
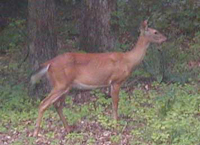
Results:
[42, 36]
[95, 29]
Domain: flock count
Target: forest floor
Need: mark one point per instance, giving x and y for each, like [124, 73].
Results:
[149, 113]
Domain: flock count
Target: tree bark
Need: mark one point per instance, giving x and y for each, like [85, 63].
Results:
[95, 29]
[42, 35]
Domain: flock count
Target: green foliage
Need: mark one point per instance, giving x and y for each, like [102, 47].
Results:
[75, 138]
[14, 99]
[90, 141]
[178, 20]
[173, 120]
[115, 139]
[13, 34]
[166, 114]
[75, 113]
[194, 47]
[15, 107]
[153, 65]
[170, 62]
[179, 16]
[125, 105]
[107, 122]
[119, 17]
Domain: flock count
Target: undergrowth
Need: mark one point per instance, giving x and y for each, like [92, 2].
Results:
[165, 114]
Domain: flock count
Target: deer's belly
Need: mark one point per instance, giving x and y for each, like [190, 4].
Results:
[81, 86]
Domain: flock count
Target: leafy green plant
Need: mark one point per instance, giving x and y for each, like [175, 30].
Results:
[13, 34]
[107, 122]
[77, 138]
[171, 119]
[115, 139]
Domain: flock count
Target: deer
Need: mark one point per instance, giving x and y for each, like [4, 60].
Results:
[86, 71]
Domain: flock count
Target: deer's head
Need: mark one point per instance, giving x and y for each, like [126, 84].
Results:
[151, 34]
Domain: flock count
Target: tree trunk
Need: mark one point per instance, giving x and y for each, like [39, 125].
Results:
[95, 29]
[42, 36]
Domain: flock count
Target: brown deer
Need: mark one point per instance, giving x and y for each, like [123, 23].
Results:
[90, 71]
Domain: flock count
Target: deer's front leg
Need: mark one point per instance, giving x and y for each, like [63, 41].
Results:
[115, 99]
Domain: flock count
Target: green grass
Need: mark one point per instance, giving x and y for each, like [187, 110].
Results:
[173, 117]
[165, 114]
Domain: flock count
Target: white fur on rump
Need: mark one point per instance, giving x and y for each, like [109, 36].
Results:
[35, 78]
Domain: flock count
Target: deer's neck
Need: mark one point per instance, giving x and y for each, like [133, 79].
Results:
[136, 55]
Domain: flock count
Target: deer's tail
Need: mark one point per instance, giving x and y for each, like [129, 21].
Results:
[39, 74]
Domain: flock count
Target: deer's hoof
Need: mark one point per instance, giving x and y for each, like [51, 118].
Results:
[70, 128]
[35, 134]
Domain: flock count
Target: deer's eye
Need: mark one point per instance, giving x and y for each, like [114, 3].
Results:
[155, 32]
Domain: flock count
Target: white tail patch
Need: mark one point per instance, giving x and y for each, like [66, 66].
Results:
[35, 78]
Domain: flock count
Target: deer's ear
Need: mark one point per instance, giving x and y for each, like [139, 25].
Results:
[144, 26]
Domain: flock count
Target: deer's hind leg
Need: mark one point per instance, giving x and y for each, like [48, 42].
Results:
[59, 104]
[49, 100]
